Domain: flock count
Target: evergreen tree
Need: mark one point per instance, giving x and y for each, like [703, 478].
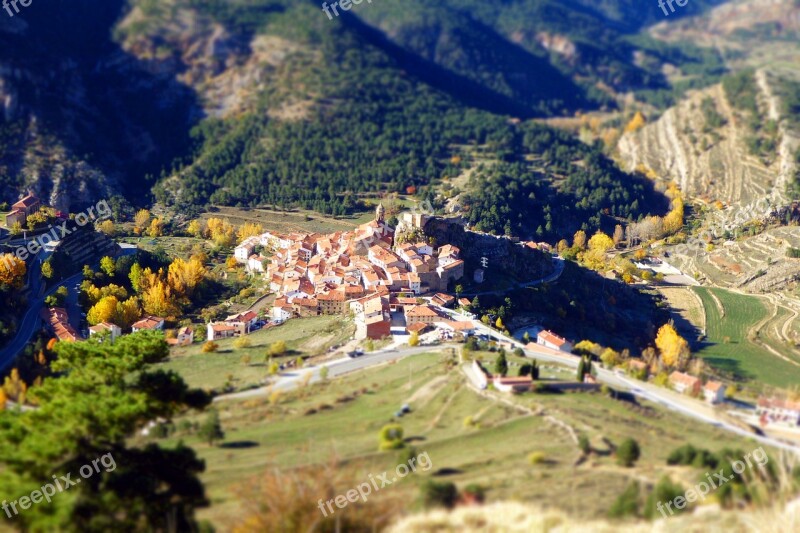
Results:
[501, 364]
[103, 394]
[581, 369]
[211, 429]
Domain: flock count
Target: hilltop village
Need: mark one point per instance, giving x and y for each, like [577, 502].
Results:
[368, 272]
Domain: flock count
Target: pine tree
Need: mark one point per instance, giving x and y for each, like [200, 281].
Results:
[501, 364]
[211, 429]
[581, 369]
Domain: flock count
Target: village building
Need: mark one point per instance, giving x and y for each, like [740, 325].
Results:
[151, 323]
[684, 383]
[553, 341]
[714, 392]
[316, 274]
[112, 330]
[778, 411]
[421, 313]
[223, 330]
[21, 210]
[513, 385]
[57, 321]
[185, 336]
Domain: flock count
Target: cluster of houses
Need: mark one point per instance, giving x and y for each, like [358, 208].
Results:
[233, 326]
[57, 322]
[779, 411]
[712, 391]
[363, 272]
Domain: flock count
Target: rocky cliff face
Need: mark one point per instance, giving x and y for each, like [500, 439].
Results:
[81, 118]
[503, 253]
[713, 163]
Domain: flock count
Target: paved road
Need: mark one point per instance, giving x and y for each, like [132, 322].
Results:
[30, 324]
[32, 321]
[336, 368]
[558, 265]
[666, 398]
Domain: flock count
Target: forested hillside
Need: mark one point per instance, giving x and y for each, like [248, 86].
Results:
[268, 102]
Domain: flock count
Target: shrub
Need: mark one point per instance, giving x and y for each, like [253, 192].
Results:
[627, 503]
[439, 494]
[584, 444]
[475, 492]
[391, 437]
[664, 491]
[628, 452]
[210, 347]
[241, 342]
[683, 455]
[536, 458]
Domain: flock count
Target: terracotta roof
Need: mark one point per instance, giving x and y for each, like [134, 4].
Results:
[686, 379]
[779, 403]
[552, 338]
[713, 386]
[421, 310]
[148, 322]
[223, 327]
[462, 325]
[26, 202]
[102, 326]
[518, 380]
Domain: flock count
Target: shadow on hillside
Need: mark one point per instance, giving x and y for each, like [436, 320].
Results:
[239, 445]
[103, 103]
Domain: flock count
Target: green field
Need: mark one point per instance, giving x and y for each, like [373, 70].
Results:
[731, 345]
[303, 337]
[340, 420]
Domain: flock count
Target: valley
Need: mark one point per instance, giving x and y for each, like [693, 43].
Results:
[551, 247]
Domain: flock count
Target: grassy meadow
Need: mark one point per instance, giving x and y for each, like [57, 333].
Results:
[732, 345]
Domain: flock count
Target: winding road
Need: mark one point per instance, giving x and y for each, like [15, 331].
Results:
[32, 322]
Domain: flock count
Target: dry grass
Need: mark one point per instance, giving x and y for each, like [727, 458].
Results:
[288, 500]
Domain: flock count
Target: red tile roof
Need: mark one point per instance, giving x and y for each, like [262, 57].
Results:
[552, 338]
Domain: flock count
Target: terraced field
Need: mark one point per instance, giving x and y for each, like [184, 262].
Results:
[756, 264]
[743, 339]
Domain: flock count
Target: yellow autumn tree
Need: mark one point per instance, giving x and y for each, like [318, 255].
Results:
[184, 276]
[140, 220]
[3, 400]
[196, 228]
[158, 299]
[127, 312]
[249, 229]
[107, 227]
[673, 349]
[637, 122]
[156, 228]
[673, 222]
[619, 235]
[579, 239]
[15, 387]
[12, 271]
[103, 311]
[221, 232]
[600, 242]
